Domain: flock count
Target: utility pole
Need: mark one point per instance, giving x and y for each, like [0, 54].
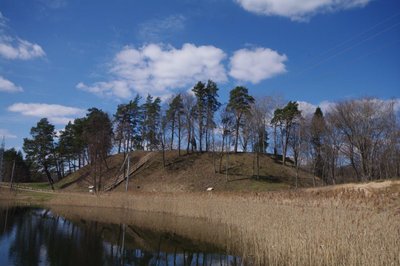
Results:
[2, 159]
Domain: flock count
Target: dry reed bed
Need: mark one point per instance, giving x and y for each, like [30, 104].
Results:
[196, 230]
[347, 227]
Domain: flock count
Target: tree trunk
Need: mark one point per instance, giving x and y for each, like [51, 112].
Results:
[200, 134]
[172, 133]
[179, 135]
[49, 178]
[237, 133]
[222, 153]
[285, 142]
[258, 165]
[188, 138]
[163, 154]
[275, 143]
[213, 152]
[227, 162]
[207, 140]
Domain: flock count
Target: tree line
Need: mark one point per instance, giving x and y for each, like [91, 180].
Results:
[356, 139]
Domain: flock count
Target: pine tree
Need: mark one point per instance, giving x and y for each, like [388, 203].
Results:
[97, 134]
[174, 116]
[151, 122]
[200, 92]
[284, 119]
[212, 106]
[239, 103]
[40, 149]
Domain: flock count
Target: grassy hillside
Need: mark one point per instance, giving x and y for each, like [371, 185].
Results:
[194, 172]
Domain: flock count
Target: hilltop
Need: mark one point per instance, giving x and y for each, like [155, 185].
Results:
[193, 172]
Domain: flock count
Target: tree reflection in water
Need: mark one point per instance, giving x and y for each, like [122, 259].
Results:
[31, 236]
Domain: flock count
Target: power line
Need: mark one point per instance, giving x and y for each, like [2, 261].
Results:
[349, 48]
[359, 34]
[356, 44]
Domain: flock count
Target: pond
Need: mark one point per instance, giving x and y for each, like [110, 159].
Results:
[79, 236]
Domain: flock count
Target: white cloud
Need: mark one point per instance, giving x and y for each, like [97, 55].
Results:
[156, 30]
[396, 105]
[5, 133]
[256, 64]
[17, 48]
[308, 109]
[8, 86]
[117, 88]
[158, 70]
[11, 48]
[298, 10]
[57, 114]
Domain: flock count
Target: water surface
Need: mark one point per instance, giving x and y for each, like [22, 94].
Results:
[35, 236]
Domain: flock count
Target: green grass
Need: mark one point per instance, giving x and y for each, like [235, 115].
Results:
[255, 185]
[36, 185]
[37, 197]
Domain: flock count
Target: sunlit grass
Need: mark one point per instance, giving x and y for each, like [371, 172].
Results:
[343, 225]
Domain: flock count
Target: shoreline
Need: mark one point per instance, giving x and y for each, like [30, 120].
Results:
[327, 226]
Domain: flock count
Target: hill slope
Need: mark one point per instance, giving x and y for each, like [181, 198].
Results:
[194, 172]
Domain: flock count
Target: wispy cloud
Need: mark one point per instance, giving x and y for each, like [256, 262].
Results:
[8, 86]
[54, 4]
[299, 10]
[3, 21]
[255, 65]
[119, 88]
[160, 29]
[57, 114]
[6, 134]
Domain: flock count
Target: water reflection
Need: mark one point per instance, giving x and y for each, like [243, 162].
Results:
[32, 236]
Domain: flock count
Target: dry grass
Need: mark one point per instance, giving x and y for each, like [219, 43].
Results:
[193, 173]
[331, 226]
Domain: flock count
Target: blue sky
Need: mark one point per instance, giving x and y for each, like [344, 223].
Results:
[60, 57]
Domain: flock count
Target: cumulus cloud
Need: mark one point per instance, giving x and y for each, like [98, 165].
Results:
[156, 30]
[57, 114]
[159, 69]
[255, 65]
[8, 86]
[298, 10]
[17, 48]
[5, 133]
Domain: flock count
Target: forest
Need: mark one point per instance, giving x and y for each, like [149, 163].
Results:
[355, 140]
